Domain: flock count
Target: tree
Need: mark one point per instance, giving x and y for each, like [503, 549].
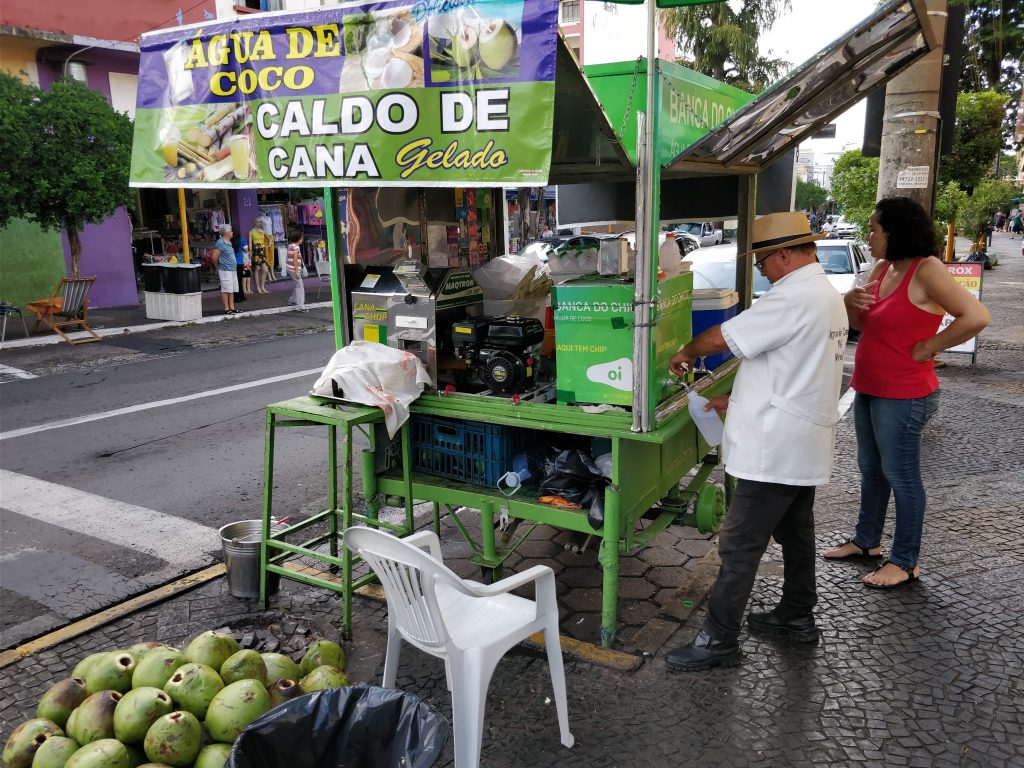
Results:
[722, 43]
[949, 198]
[989, 196]
[810, 194]
[16, 97]
[855, 187]
[81, 155]
[993, 50]
[977, 138]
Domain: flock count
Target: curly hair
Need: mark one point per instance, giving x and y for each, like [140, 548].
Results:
[910, 230]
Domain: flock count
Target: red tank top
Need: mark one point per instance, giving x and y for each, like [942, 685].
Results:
[890, 328]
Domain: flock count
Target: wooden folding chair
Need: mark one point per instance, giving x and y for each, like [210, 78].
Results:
[68, 307]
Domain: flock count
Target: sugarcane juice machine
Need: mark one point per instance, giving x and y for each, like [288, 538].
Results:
[409, 308]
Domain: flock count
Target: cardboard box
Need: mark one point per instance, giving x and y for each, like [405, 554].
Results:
[594, 337]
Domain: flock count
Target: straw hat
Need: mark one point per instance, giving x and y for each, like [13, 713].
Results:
[780, 230]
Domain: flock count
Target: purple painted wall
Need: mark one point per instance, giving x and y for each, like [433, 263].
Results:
[244, 210]
[106, 247]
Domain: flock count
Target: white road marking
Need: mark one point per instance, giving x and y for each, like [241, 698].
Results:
[179, 542]
[6, 370]
[846, 402]
[157, 404]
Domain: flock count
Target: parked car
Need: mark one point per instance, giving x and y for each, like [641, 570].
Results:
[844, 229]
[715, 267]
[705, 233]
[844, 263]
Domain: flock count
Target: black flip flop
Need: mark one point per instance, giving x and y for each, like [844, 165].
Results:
[864, 554]
[912, 577]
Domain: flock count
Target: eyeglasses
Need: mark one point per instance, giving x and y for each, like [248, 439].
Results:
[760, 264]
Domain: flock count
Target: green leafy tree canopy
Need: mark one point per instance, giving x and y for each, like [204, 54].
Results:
[16, 98]
[722, 43]
[810, 194]
[81, 155]
[994, 52]
[855, 187]
[977, 138]
[989, 196]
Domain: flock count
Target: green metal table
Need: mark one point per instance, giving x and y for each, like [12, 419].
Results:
[646, 469]
[275, 552]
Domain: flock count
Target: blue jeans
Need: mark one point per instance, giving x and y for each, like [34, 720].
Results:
[889, 457]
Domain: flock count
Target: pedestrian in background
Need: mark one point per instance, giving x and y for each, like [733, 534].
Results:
[779, 438]
[241, 265]
[226, 269]
[898, 313]
[1016, 224]
[295, 269]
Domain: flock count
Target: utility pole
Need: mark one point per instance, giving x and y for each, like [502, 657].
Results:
[910, 126]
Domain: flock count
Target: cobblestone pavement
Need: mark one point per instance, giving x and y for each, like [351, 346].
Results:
[928, 675]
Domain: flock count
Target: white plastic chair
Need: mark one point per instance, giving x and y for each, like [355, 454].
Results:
[469, 625]
[323, 271]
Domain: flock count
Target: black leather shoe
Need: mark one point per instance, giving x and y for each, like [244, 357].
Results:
[801, 629]
[704, 652]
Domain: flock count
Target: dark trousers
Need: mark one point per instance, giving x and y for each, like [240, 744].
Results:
[760, 511]
[240, 293]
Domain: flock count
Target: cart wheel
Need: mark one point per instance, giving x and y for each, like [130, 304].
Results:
[710, 508]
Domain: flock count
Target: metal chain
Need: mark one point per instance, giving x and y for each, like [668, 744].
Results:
[632, 90]
[686, 103]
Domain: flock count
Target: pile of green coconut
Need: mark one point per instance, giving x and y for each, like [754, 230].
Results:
[154, 706]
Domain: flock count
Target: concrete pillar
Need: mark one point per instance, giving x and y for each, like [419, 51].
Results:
[910, 136]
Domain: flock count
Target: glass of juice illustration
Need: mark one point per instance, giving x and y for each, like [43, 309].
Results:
[169, 139]
[240, 156]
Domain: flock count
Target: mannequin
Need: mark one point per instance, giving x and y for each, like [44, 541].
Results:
[261, 251]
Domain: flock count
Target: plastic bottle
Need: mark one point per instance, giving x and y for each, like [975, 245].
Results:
[710, 425]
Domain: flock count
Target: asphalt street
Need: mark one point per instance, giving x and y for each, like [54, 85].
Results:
[116, 477]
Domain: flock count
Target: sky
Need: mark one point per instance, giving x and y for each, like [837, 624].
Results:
[799, 34]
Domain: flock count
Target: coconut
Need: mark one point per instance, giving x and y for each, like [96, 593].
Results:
[320, 653]
[213, 756]
[156, 667]
[244, 665]
[174, 739]
[283, 690]
[464, 46]
[112, 672]
[54, 752]
[280, 666]
[61, 699]
[323, 677]
[105, 753]
[94, 720]
[234, 708]
[26, 739]
[193, 687]
[211, 648]
[498, 43]
[137, 711]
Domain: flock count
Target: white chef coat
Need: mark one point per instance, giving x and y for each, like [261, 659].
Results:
[781, 422]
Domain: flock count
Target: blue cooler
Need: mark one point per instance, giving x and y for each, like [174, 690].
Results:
[713, 306]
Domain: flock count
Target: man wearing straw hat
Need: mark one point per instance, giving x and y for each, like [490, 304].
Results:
[779, 437]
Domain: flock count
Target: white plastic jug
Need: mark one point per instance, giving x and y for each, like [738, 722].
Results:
[708, 422]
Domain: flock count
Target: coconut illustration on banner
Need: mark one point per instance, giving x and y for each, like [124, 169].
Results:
[468, 45]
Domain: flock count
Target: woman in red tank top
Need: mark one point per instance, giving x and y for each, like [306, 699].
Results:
[898, 313]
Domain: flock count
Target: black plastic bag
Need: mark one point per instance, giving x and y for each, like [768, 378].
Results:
[360, 726]
[574, 476]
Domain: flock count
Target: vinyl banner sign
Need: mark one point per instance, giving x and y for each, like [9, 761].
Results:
[427, 93]
[968, 275]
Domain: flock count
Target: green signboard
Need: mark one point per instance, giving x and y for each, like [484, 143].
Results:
[692, 104]
[453, 93]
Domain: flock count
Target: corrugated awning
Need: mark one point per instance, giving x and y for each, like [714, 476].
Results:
[866, 57]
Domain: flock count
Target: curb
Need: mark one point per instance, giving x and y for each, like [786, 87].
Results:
[121, 331]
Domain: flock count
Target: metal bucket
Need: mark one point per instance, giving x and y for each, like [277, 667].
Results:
[241, 544]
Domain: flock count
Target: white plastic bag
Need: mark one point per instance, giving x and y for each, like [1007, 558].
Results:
[499, 277]
[373, 374]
